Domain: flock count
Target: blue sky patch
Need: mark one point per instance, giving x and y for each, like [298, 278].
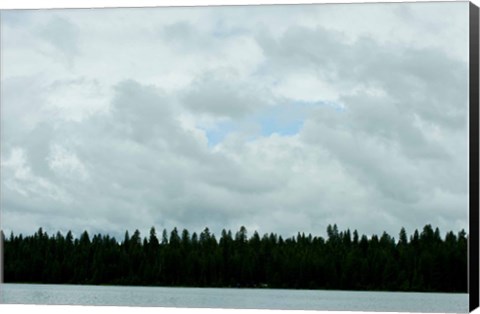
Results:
[218, 133]
[285, 120]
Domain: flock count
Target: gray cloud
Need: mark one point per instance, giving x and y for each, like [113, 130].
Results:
[122, 137]
[62, 35]
[388, 95]
[223, 95]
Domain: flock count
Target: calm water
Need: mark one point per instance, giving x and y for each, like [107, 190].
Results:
[234, 298]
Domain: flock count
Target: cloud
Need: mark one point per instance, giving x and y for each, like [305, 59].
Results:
[75, 99]
[61, 35]
[65, 163]
[282, 119]
[224, 95]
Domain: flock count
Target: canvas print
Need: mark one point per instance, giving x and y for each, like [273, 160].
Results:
[307, 157]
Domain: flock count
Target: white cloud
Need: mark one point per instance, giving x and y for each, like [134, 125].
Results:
[279, 118]
[21, 181]
[304, 86]
[76, 99]
[65, 163]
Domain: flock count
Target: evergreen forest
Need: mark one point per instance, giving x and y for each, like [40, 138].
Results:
[344, 260]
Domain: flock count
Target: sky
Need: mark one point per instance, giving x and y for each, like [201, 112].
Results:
[282, 119]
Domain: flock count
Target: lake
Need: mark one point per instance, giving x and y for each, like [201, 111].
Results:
[234, 298]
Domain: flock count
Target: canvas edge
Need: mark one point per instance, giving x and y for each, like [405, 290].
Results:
[473, 249]
[1, 132]
[474, 138]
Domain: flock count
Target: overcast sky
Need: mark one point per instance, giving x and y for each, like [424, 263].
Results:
[278, 118]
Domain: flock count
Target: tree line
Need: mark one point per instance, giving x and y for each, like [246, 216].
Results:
[343, 260]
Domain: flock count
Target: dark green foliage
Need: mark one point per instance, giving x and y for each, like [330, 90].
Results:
[344, 260]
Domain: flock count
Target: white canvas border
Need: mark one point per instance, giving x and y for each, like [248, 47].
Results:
[43, 4]
[52, 4]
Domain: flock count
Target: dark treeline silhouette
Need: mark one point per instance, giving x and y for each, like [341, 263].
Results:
[344, 260]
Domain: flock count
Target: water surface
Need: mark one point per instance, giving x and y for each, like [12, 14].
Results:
[234, 298]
